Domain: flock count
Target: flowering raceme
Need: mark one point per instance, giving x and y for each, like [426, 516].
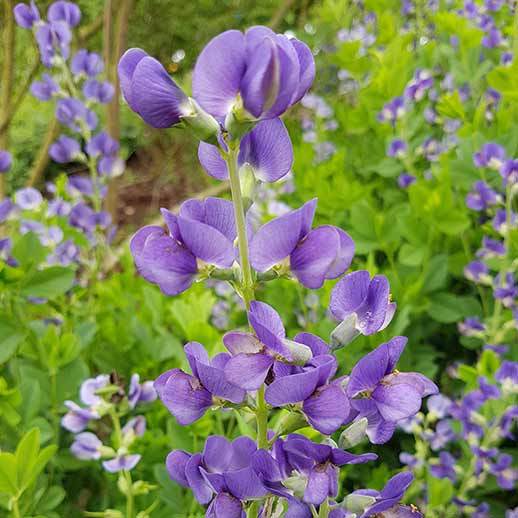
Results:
[245, 82]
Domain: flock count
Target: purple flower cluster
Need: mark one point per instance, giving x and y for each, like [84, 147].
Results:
[101, 397]
[241, 85]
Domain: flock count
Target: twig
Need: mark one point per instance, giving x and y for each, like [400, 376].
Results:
[42, 158]
[278, 16]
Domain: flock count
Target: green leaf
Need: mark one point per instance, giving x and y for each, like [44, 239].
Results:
[437, 274]
[10, 337]
[410, 255]
[8, 478]
[468, 375]
[26, 454]
[448, 308]
[450, 105]
[488, 363]
[49, 283]
[28, 251]
[440, 491]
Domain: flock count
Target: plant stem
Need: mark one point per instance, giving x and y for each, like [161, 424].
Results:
[247, 283]
[16, 509]
[323, 511]
[129, 494]
[261, 414]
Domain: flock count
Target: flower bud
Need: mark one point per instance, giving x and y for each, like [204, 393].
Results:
[202, 125]
[344, 333]
[291, 423]
[237, 122]
[248, 183]
[354, 434]
[300, 353]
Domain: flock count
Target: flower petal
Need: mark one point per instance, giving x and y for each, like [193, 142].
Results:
[200, 488]
[126, 68]
[212, 161]
[307, 69]
[397, 402]
[248, 371]
[369, 371]
[292, 389]
[349, 293]
[371, 314]
[175, 464]
[244, 484]
[326, 409]
[239, 342]
[218, 72]
[317, 489]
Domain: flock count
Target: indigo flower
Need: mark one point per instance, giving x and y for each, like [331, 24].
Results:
[491, 248]
[101, 92]
[490, 155]
[28, 198]
[267, 149]
[88, 63]
[509, 172]
[140, 392]
[397, 148]
[392, 110]
[6, 208]
[505, 289]
[324, 403]
[362, 305]
[6, 161]
[72, 113]
[438, 406]
[405, 180]
[51, 38]
[388, 497]
[64, 150]
[62, 11]
[26, 15]
[89, 388]
[506, 475]
[445, 467]
[317, 463]
[149, 91]
[419, 85]
[222, 475]
[77, 418]
[482, 197]
[471, 326]
[86, 446]
[188, 396]
[65, 254]
[507, 375]
[202, 229]
[267, 72]
[314, 255]
[256, 354]
[121, 462]
[102, 144]
[45, 89]
[492, 39]
[442, 435]
[477, 272]
[384, 395]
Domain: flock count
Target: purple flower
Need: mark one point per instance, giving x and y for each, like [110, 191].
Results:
[87, 63]
[397, 148]
[225, 469]
[102, 144]
[317, 464]
[477, 271]
[314, 255]
[388, 497]
[89, 388]
[267, 149]
[202, 229]
[188, 396]
[432, 149]
[64, 150]
[507, 374]
[392, 110]
[267, 71]
[471, 326]
[45, 89]
[405, 180]
[6, 207]
[136, 426]
[26, 15]
[86, 446]
[419, 85]
[72, 113]
[256, 354]
[506, 475]
[442, 436]
[384, 395]
[501, 221]
[490, 155]
[506, 58]
[62, 11]
[58, 207]
[509, 172]
[101, 92]
[507, 422]
[149, 91]
[324, 404]
[140, 392]
[505, 289]
[77, 418]
[122, 462]
[482, 197]
[65, 254]
[492, 39]
[6, 161]
[361, 304]
[51, 38]
[445, 467]
[28, 198]
[491, 248]
[439, 405]
[111, 166]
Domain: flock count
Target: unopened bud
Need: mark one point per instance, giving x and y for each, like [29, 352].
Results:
[201, 124]
[291, 423]
[354, 434]
[248, 182]
[300, 353]
[344, 333]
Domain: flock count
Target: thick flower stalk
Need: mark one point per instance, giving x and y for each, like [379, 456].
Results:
[241, 85]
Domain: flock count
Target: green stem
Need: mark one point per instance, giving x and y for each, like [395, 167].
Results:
[16, 509]
[261, 414]
[130, 504]
[247, 283]
[323, 511]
